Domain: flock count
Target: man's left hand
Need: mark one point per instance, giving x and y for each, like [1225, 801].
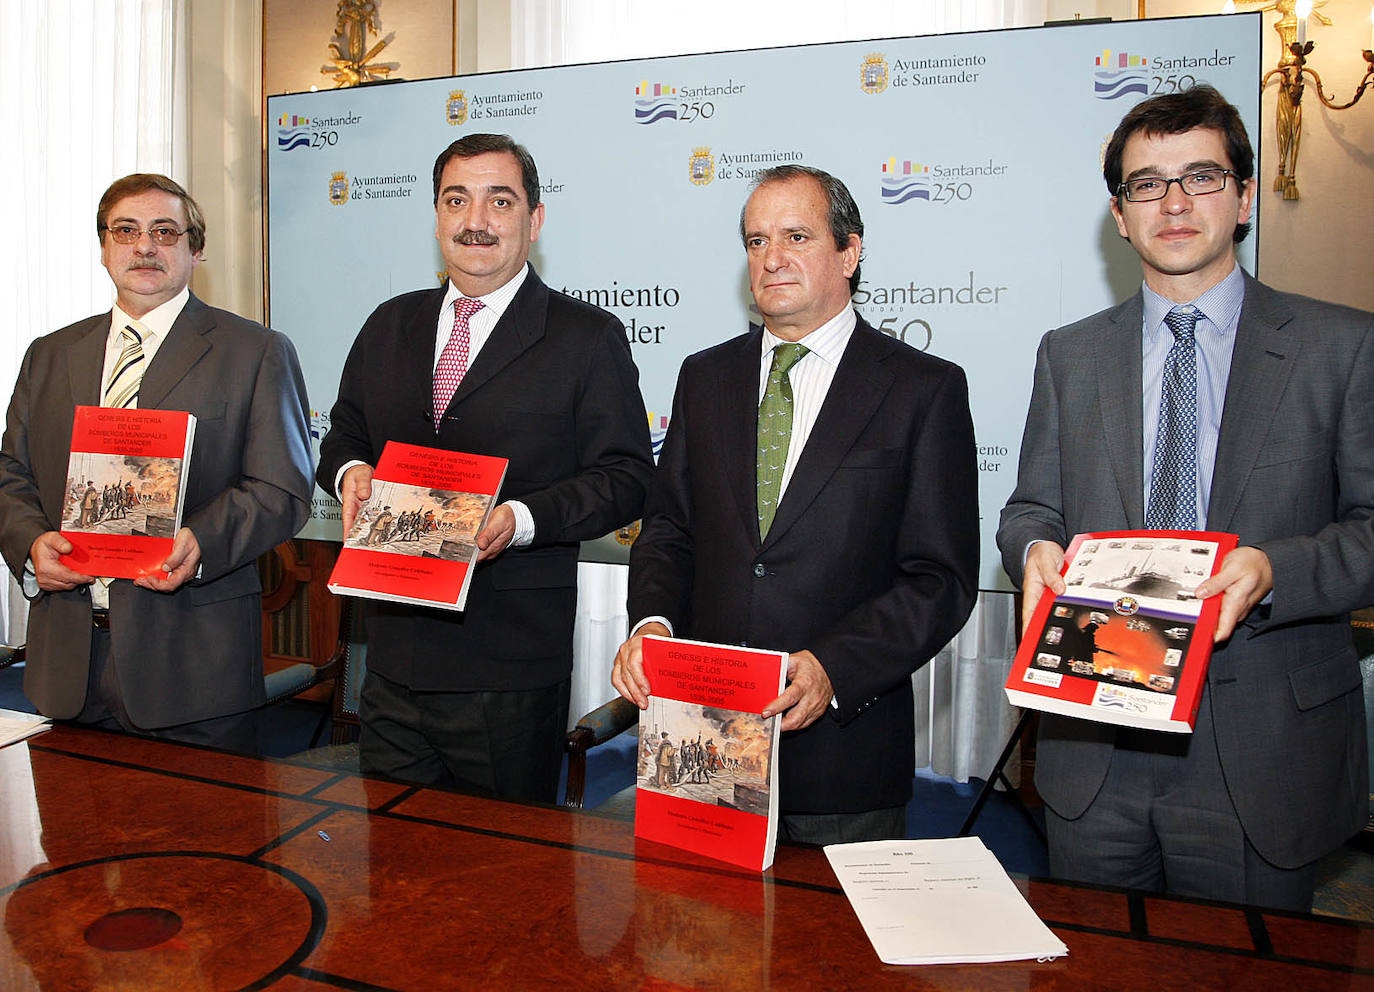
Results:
[497, 533]
[180, 565]
[807, 695]
[1245, 578]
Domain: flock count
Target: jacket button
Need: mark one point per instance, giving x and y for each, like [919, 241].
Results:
[760, 571]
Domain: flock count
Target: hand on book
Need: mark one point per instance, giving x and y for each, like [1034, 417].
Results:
[807, 695]
[51, 574]
[494, 537]
[627, 674]
[179, 567]
[1245, 578]
[355, 489]
[1044, 562]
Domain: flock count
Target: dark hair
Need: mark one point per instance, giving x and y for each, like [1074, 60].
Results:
[843, 211]
[142, 182]
[1175, 113]
[473, 145]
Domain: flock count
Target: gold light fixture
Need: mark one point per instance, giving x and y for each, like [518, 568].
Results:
[352, 64]
[1294, 50]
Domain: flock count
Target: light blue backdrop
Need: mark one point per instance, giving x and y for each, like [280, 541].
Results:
[975, 160]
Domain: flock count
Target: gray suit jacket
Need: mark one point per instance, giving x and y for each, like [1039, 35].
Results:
[1295, 477]
[195, 653]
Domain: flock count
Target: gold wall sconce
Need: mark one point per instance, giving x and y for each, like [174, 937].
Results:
[1294, 49]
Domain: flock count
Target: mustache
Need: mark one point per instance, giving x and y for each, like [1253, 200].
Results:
[475, 238]
[147, 263]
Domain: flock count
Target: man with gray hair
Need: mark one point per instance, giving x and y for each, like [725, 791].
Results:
[817, 493]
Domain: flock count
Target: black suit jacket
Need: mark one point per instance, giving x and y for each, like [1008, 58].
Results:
[555, 391]
[1294, 477]
[195, 653]
[871, 562]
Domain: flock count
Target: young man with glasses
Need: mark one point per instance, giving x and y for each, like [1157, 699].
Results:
[177, 656]
[1209, 401]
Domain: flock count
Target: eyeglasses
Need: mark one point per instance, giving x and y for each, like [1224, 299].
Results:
[1198, 183]
[127, 234]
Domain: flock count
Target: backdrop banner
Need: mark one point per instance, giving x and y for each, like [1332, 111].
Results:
[975, 160]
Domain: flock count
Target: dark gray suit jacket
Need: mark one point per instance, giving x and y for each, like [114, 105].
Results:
[871, 562]
[195, 653]
[1295, 477]
[555, 391]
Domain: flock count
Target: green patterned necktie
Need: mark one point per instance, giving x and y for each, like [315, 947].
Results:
[775, 431]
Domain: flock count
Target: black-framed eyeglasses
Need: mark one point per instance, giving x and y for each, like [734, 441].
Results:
[1198, 183]
[162, 234]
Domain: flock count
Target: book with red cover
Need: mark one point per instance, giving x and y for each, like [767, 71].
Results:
[126, 482]
[1127, 642]
[415, 539]
[707, 779]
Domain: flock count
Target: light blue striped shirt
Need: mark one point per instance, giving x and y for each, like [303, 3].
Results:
[1215, 338]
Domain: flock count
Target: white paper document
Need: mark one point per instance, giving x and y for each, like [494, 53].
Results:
[15, 726]
[939, 902]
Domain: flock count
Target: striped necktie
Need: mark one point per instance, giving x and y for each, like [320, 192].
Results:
[122, 389]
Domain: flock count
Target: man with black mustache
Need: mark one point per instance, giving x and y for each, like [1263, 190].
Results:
[180, 655]
[496, 363]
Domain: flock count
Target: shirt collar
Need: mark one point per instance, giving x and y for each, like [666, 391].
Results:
[497, 300]
[157, 321]
[826, 342]
[1220, 306]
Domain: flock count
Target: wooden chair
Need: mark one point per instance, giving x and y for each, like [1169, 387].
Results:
[600, 725]
[304, 652]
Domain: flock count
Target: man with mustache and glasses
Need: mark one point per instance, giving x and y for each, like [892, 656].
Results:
[1209, 401]
[492, 362]
[179, 655]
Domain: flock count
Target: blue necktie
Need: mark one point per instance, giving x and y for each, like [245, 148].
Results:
[1173, 483]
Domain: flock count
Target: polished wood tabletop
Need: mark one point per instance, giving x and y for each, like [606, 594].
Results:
[142, 865]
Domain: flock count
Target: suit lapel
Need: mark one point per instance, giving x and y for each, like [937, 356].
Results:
[736, 391]
[1118, 368]
[860, 384]
[1261, 362]
[86, 363]
[185, 345]
[520, 328]
[415, 354]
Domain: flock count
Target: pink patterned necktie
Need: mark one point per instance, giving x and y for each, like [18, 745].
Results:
[453, 363]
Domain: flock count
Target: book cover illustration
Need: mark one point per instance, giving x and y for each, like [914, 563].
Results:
[1127, 642]
[414, 540]
[415, 520]
[126, 483]
[706, 776]
[710, 755]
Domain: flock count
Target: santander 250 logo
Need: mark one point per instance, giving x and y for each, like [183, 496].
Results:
[294, 131]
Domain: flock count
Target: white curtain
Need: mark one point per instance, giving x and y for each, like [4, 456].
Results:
[562, 32]
[962, 715]
[91, 90]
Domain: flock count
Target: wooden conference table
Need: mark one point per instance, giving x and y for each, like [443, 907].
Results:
[136, 864]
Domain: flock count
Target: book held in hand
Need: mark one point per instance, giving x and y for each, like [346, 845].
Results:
[126, 483]
[415, 539]
[707, 776]
[1128, 642]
